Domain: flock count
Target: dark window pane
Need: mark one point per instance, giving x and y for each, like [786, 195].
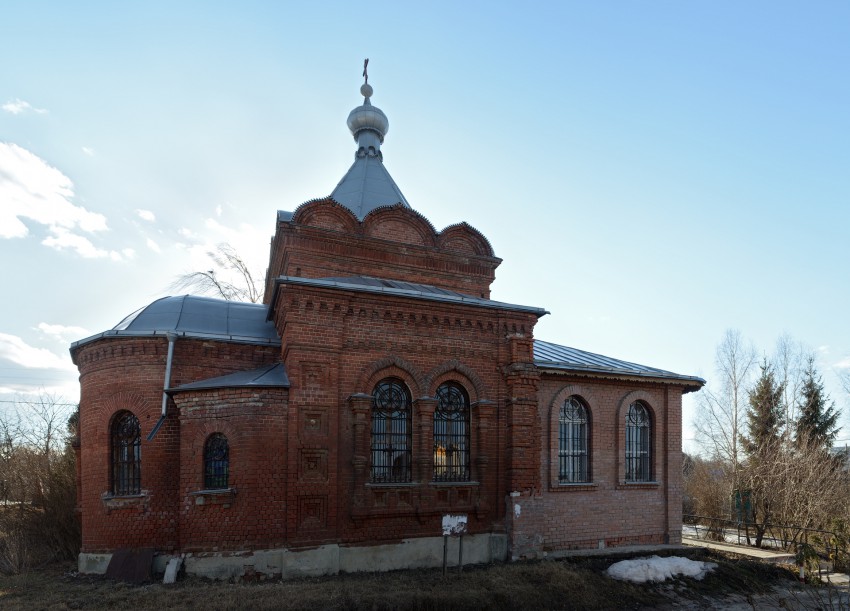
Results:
[126, 451]
[216, 462]
[451, 434]
[391, 452]
[572, 443]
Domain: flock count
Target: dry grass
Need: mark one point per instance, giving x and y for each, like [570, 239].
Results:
[564, 584]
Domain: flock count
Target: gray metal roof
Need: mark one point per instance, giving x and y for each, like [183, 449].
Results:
[270, 376]
[198, 317]
[367, 185]
[553, 356]
[366, 284]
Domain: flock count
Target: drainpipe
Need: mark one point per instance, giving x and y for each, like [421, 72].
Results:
[172, 337]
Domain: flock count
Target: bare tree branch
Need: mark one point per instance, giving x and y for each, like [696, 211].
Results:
[227, 265]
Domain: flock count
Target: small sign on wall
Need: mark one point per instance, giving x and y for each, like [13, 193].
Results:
[454, 526]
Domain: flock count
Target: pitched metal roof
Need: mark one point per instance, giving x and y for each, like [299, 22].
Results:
[367, 185]
[198, 317]
[366, 284]
[270, 376]
[553, 356]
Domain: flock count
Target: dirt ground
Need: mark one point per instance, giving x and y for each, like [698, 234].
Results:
[578, 583]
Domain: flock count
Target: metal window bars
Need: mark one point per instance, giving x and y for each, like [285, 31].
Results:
[126, 450]
[638, 429]
[390, 444]
[216, 462]
[451, 434]
[572, 443]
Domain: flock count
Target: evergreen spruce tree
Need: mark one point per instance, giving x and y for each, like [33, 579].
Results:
[765, 414]
[818, 416]
[762, 442]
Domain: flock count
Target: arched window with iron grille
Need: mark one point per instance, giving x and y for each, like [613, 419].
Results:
[126, 451]
[573, 433]
[451, 434]
[638, 447]
[216, 462]
[391, 441]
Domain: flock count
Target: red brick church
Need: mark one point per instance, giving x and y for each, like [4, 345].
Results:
[377, 389]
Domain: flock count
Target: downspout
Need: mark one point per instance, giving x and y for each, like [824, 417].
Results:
[172, 337]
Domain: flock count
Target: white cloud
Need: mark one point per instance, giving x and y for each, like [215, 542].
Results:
[146, 215]
[88, 151]
[16, 350]
[32, 189]
[153, 246]
[18, 106]
[129, 253]
[186, 233]
[63, 238]
[218, 210]
[843, 363]
[63, 333]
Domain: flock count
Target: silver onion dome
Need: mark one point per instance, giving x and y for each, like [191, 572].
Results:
[367, 122]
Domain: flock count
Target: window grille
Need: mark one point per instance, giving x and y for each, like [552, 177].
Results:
[126, 450]
[638, 429]
[572, 443]
[216, 462]
[390, 445]
[451, 434]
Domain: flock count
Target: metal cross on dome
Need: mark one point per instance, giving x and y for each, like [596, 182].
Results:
[365, 72]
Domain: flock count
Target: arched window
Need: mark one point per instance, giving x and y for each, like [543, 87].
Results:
[451, 434]
[573, 464]
[638, 454]
[390, 446]
[216, 462]
[126, 450]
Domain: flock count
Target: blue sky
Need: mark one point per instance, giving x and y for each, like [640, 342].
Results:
[653, 173]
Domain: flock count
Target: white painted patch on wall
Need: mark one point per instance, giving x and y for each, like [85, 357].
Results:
[517, 510]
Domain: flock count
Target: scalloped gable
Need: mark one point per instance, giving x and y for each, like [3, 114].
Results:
[465, 238]
[328, 214]
[399, 224]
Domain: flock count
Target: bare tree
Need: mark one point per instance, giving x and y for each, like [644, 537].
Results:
[37, 483]
[720, 418]
[228, 278]
[789, 364]
[798, 487]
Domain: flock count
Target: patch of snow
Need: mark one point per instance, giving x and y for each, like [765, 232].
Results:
[655, 568]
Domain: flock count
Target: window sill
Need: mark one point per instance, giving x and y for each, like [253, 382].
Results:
[125, 501]
[218, 496]
[574, 487]
[453, 484]
[638, 485]
[392, 484]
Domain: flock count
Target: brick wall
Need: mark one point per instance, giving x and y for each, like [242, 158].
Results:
[118, 373]
[607, 511]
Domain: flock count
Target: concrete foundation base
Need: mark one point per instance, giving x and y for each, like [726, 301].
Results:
[327, 559]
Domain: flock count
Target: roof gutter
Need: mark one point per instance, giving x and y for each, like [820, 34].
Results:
[172, 338]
